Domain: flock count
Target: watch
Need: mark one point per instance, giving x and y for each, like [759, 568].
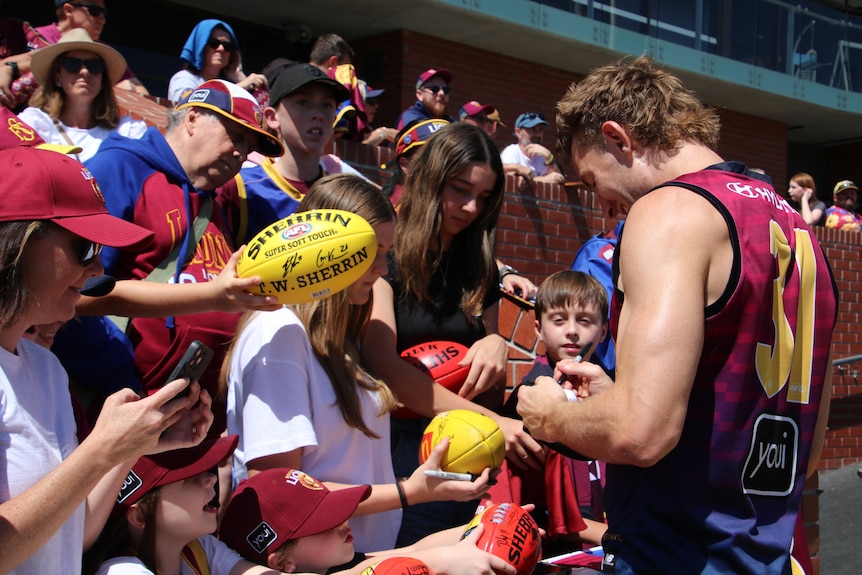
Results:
[16, 73]
[507, 270]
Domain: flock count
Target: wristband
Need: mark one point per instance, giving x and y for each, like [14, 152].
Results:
[508, 270]
[401, 495]
[550, 160]
[16, 73]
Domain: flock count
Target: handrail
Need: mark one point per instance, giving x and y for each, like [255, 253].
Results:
[846, 360]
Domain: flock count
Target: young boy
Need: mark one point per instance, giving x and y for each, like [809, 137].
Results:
[289, 521]
[571, 310]
[301, 113]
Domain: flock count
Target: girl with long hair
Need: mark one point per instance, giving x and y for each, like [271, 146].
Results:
[442, 284]
[299, 398]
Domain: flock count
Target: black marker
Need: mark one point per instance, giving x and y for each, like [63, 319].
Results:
[578, 359]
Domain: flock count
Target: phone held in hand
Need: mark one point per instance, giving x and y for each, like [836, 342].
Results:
[192, 365]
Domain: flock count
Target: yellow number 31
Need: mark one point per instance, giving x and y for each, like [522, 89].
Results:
[790, 357]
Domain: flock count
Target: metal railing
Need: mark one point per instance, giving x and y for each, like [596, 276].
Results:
[806, 39]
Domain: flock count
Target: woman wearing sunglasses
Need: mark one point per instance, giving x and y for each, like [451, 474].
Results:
[56, 495]
[212, 52]
[75, 101]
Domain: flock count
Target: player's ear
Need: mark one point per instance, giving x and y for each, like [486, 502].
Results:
[616, 137]
[538, 325]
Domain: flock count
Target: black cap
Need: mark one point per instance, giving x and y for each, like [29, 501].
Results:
[295, 77]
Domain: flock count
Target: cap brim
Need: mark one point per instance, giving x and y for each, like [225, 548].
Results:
[62, 148]
[208, 455]
[106, 229]
[370, 94]
[339, 505]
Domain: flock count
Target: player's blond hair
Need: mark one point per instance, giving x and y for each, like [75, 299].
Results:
[652, 104]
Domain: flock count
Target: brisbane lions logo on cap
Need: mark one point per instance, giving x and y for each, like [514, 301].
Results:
[96, 189]
[296, 477]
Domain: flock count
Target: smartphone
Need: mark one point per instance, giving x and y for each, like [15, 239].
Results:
[192, 365]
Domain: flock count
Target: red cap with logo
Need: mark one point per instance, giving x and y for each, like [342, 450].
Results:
[153, 471]
[45, 185]
[277, 505]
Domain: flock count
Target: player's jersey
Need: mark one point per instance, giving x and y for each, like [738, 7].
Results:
[725, 499]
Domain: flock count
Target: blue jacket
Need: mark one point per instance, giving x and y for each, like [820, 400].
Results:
[595, 258]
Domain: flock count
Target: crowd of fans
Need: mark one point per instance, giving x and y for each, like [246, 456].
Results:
[294, 411]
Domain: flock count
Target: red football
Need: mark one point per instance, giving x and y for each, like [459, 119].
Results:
[511, 534]
[399, 566]
[439, 361]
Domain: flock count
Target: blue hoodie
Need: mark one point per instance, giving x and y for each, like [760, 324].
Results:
[143, 182]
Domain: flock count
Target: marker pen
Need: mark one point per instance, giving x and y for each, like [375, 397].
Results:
[448, 475]
[570, 393]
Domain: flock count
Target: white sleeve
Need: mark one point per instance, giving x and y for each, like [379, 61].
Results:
[221, 558]
[275, 362]
[131, 128]
[180, 82]
[510, 155]
[42, 123]
[123, 566]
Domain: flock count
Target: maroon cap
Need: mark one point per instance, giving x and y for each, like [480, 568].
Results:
[430, 73]
[45, 185]
[15, 132]
[153, 471]
[278, 505]
[473, 108]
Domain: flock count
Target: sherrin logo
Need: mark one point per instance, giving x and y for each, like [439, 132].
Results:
[296, 231]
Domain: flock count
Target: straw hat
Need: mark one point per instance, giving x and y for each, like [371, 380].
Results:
[76, 39]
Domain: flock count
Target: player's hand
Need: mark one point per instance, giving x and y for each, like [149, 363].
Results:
[584, 378]
[465, 558]
[536, 403]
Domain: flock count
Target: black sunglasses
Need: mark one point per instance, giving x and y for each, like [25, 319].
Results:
[214, 43]
[435, 88]
[94, 9]
[88, 252]
[534, 115]
[74, 65]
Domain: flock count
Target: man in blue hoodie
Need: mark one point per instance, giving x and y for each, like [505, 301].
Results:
[165, 184]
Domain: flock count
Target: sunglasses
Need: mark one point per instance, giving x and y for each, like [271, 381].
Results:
[88, 252]
[94, 9]
[534, 115]
[214, 43]
[435, 88]
[74, 65]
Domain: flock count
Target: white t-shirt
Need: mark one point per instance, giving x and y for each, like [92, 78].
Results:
[512, 154]
[37, 432]
[89, 139]
[280, 399]
[182, 81]
[220, 557]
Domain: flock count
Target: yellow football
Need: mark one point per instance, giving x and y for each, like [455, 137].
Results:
[309, 255]
[475, 441]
